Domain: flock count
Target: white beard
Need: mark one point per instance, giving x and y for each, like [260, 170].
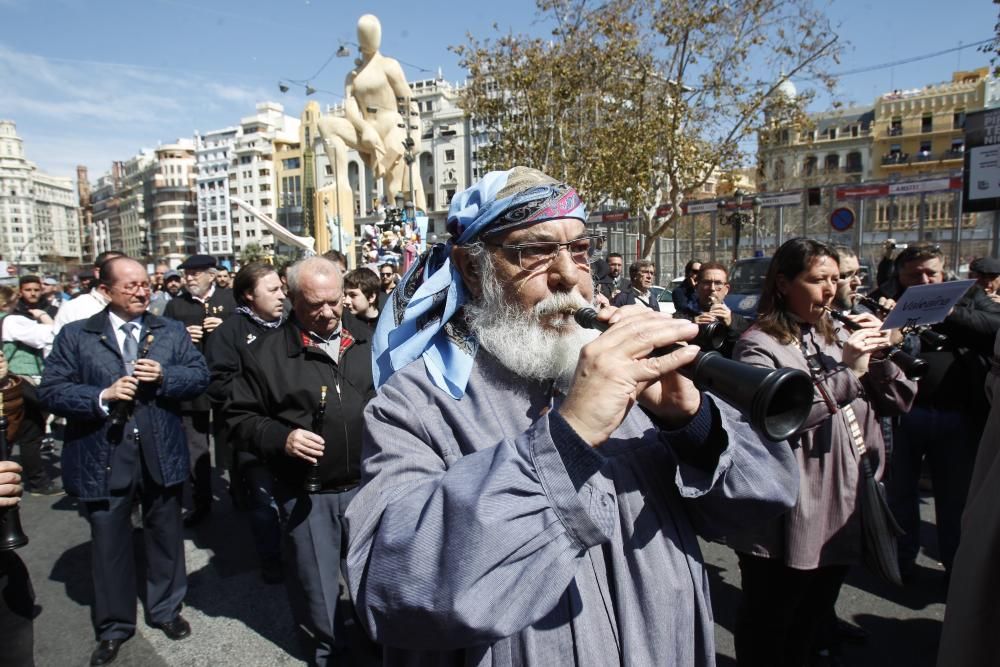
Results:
[519, 340]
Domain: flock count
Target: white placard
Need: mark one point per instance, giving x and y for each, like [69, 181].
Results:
[926, 304]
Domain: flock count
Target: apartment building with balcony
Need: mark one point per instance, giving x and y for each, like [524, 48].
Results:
[922, 131]
[829, 148]
[172, 234]
[213, 157]
[39, 220]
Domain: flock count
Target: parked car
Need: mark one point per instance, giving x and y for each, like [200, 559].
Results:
[746, 281]
[665, 297]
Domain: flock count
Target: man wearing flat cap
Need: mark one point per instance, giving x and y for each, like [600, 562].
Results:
[531, 490]
[200, 307]
[986, 272]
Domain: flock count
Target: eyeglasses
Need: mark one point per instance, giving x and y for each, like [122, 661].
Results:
[713, 283]
[535, 256]
[386, 275]
[133, 288]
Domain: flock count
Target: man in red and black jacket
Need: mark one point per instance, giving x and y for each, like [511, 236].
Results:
[274, 412]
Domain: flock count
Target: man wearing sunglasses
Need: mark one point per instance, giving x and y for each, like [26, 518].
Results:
[531, 489]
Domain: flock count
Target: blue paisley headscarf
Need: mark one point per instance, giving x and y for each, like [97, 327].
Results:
[424, 315]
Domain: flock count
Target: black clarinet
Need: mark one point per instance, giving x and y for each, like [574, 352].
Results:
[11, 534]
[312, 482]
[913, 367]
[122, 408]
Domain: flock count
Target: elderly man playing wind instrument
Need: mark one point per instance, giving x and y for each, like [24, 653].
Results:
[532, 491]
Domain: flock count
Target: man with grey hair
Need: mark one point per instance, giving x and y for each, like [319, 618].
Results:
[298, 407]
[201, 307]
[642, 274]
[532, 490]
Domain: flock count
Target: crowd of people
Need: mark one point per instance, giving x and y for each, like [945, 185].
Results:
[503, 485]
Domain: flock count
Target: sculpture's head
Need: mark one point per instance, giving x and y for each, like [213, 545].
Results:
[369, 34]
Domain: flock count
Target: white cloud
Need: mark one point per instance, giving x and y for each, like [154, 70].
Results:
[80, 110]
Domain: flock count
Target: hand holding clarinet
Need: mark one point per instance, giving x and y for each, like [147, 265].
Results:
[124, 389]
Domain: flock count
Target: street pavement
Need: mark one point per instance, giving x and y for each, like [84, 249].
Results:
[237, 619]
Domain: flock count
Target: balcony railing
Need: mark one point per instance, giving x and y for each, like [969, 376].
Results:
[953, 154]
[896, 158]
[925, 156]
[895, 131]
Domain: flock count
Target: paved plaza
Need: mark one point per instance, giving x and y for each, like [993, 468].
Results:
[237, 619]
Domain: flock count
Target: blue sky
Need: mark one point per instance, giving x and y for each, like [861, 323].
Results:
[91, 81]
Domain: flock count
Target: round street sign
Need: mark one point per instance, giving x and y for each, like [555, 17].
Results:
[842, 219]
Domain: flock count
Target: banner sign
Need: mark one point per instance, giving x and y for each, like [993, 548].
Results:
[906, 188]
[614, 216]
[982, 162]
[926, 304]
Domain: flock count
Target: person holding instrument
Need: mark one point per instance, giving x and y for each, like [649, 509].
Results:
[108, 466]
[533, 489]
[274, 412]
[945, 424]
[792, 569]
[711, 287]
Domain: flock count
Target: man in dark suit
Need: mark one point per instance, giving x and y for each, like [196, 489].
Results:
[117, 377]
[201, 307]
[711, 288]
[641, 274]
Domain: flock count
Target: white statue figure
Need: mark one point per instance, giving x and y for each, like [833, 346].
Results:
[375, 91]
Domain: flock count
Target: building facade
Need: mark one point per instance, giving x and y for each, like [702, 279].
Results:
[39, 219]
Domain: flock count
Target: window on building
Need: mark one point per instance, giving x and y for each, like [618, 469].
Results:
[429, 105]
[291, 163]
[832, 162]
[925, 149]
[854, 164]
[855, 130]
[779, 169]
[927, 123]
[958, 120]
[831, 133]
[809, 166]
[448, 194]
[896, 126]
[957, 146]
[449, 156]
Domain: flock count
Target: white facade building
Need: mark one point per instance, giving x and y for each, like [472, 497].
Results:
[250, 156]
[39, 218]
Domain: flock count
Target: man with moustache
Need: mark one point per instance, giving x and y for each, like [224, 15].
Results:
[612, 282]
[108, 465]
[201, 307]
[274, 413]
[531, 491]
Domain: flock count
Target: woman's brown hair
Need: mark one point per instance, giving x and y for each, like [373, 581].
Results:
[793, 257]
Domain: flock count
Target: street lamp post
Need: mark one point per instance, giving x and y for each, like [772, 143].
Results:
[738, 218]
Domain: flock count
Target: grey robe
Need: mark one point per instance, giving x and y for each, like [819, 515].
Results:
[471, 545]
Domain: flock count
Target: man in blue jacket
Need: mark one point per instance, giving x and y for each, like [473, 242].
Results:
[118, 377]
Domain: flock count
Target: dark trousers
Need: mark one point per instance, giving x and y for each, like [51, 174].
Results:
[258, 488]
[196, 430]
[948, 439]
[782, 610]
[17, 613]
[114, 560]
[35, 475]
[315, 543]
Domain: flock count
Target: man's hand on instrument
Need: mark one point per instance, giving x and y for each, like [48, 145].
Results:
[123, 389]
[210, 324]
[11, 487]
[148, 370]
[615, 371]
[196, 332]
[304, 445]
[721, 312]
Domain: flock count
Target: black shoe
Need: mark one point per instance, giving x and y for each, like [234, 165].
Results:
[106, 651]
[50, 488]
[175, 629]
[196, 516]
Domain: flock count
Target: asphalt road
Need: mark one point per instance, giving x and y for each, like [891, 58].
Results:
[237, 619]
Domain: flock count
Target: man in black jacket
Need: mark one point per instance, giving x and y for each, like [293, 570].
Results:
[275, 412]
[711, 289]
[945, 424]
[259, 313]
[201, 307]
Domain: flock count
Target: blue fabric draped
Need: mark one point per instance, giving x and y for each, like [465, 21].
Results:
[420, 319]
